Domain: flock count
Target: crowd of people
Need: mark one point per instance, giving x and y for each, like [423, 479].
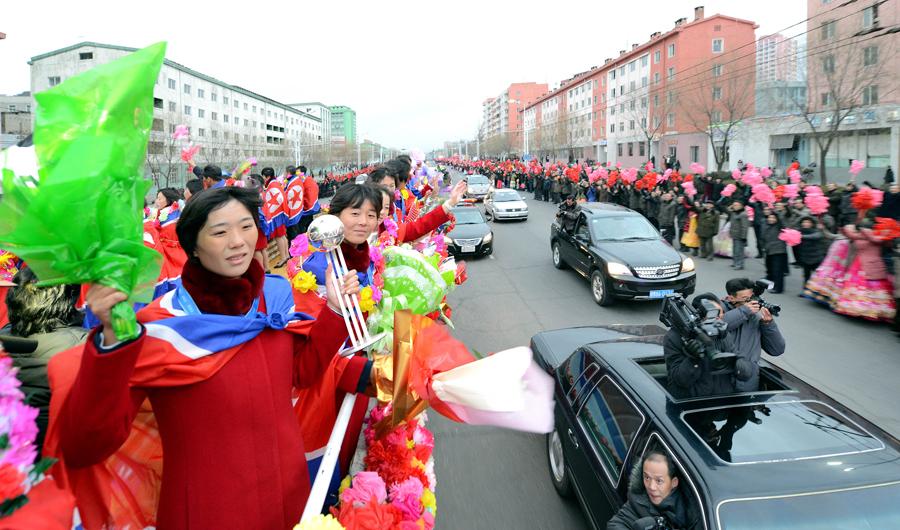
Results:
[842, 239]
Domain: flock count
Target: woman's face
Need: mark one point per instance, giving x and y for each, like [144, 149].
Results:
[226, 242]
[161, 201]
[359, 222]
[385, 205]
[389, 183]
[771, 219]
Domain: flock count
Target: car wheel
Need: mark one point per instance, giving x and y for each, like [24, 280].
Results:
[600, 288]
[558, 465]
[488, 214]
[557, 257]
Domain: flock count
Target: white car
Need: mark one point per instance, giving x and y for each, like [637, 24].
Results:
[505, 204]
[479, 187]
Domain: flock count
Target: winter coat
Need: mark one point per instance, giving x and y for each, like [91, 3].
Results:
[635, 200]
[890, 207]
[751, 337]
[868, 252]
[846, 211]
[667, 210]
[739, 224]
[771, 243]
[555, 186]
[812, 248]
[689, 377]
[708, 224]
[678, 509]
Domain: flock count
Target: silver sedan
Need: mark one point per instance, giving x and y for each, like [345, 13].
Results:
[505, 204]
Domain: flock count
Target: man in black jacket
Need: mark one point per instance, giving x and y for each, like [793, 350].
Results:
[654, 498]
[568, 214]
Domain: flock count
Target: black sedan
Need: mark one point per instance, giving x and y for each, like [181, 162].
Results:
[786, 456]
[472, 235]
[622, 254]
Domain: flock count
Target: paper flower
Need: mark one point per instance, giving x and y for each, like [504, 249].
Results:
[304, 282]
[729, 190]
[365, 486]
[366, 303]
[697, 168]
[665, 176]
[867, 198]
[856, 166]
[188, 153]
[689, 188]
[765, 172]
[736, 175]
[886, 228]
[320, 522]
[791, 191]
[390, 226]
[790, 236]
[752, 177]
[763, 193]
[300, 246]
[181, 131]
[649, 166]
[407, 497]
[795, 176]
[817, 203]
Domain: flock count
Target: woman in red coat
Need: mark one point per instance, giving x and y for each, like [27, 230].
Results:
[233, 451]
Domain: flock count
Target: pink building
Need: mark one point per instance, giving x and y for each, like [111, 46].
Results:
[502, 116]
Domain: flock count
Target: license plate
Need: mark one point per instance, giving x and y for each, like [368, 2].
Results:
[661, 293]
[468, 248]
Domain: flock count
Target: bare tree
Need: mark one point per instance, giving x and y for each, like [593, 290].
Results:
[164, 151]
[845, 74]
[649, 110]
[716, 104]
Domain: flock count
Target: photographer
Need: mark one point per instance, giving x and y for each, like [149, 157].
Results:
[691, 371]
[752, 327]
[654, 498]
[568, 214]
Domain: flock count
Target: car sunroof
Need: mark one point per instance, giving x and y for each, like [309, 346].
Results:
[789, 430]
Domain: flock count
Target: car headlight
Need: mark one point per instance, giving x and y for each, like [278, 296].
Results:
[488, 238]
[448, 241]
[617, 269]
[687, 265]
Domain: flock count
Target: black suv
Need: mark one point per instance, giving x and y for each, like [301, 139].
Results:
[622, 254]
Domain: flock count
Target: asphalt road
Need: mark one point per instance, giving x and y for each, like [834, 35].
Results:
[496, 479]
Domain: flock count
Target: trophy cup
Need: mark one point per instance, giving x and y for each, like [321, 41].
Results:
[325, 234]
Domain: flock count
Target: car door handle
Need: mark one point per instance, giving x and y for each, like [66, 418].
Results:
[573, 438]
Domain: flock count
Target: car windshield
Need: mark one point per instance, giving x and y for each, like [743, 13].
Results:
[780, 431]
[467, 216]
[506, 196]
[477, 179]
[863, 508]
[623, 228]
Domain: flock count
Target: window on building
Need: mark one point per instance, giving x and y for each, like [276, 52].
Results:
[631, 86]
[671, 73]
[632, 65]
[641, 151]
[619, 149]
[644, 60]
[644, 82]
[201, 132]
[717, 70]
[621, 90]
[157, 104]
[717, 116]
[187, 88]
[225, 100]
[213, 96]
[236, 104]
[643, 103]
[656, 78]
[632, 104]
[870, 16]
[85, 56]
[643, 124]
[870, 55]
[670, 119]
[621, 126]
[870, 95]
[187, 110]
[246, 107]
[621, 107]
[225, 118]
[828, 64]
[656, 57]
[656, 122]
[671, 50]
[54, 80]
[612, 74]
[201, 113]
[695, 153]
[621, 71]
[612, 93]
[630, 149]
[214, 116]
[828, 29]
[246, 122]
[631, 125]
[595, 100]
[718, 45]
[173, 106]
[716, 93]
[612, 110]
[670, 97]
[826, 98]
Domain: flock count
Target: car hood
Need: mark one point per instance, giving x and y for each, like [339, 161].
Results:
[507, 205]
[469, 231]
[478, 188]
[650, 253]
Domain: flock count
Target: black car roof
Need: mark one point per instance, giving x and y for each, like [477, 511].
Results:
[765, 477]
[603, 209]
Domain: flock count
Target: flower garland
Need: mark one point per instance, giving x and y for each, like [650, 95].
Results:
[19, 472]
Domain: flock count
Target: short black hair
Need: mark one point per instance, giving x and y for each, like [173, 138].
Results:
[400, 168]
[34, 309]
[697, 302]
[194, 186]
[385, 192]
[380, 173]
[290, 170]
[735, 285]
[354, 196]
[268, 172]
[212, 172]
[171, 195]
[198, 172]
[257, 179]
[302, 169]
[197, 211]
[655, 454]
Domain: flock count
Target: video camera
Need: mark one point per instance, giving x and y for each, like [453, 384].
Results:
[759, 287]
[677, 314]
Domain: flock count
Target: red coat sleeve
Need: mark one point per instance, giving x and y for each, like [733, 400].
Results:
[314, 351]
[97, 416]
[354, 374]
[411, 231]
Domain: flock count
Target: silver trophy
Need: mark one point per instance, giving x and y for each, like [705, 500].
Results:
[325, 234]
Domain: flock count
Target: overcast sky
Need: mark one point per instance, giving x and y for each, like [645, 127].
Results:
[415, 72]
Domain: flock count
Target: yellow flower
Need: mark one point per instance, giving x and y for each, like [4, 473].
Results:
[365, 299]
[304, 281]
[344, 484]
[410, 444]
[320, 522]
[416, 463]
[405, 194]
[429, 502]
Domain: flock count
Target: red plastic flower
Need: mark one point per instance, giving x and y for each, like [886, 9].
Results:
[372, 516]
[11, 480]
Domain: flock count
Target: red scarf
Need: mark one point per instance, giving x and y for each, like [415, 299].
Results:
[220, 295]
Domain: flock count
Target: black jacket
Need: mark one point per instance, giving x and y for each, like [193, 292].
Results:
[689, 377]
[812, 248]
[771, 243]
[567, 216]
[666, 215]
[679, 512]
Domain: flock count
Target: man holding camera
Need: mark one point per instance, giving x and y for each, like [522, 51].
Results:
[752, 327]
[690, 368]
